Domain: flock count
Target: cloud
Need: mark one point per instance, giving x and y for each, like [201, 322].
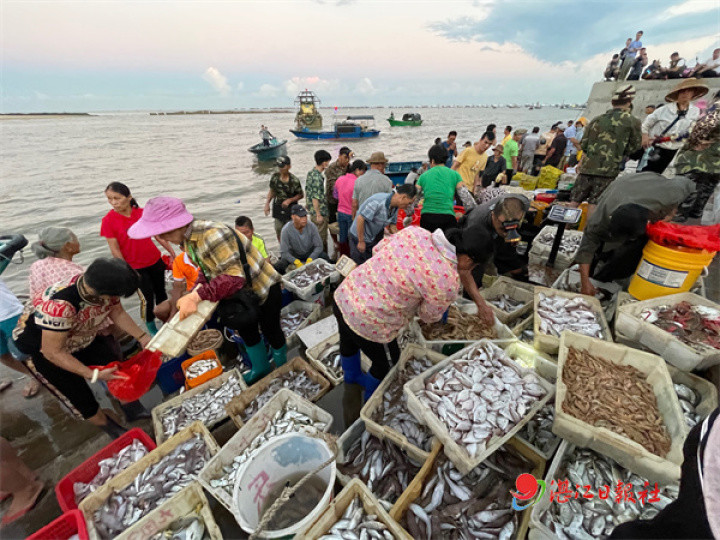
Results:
[689, 7]
[217, 80]
[240, 86]
[267, 90]
[365, 87]
[318, 85]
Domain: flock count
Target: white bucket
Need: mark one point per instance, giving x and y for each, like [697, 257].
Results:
[281, 458]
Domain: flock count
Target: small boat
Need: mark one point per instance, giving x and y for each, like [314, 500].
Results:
[275, 149]
[408, 119]
[398, 170]
[353, 127]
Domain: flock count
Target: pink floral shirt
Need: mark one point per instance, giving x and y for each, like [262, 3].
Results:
[49, 271]
[412, 273]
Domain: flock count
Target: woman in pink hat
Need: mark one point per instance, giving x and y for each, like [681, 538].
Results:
[141, 255]
[232, 272]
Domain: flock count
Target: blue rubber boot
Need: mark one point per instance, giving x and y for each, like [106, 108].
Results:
[279, 355]
[260, 366]
[152, 327]
[351, 368]
[370, 384]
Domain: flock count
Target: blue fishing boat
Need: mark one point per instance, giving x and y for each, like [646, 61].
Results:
[353, 127]
[275, 149]
[398, 170]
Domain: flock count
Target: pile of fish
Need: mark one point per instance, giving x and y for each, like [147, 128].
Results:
[207, 406]
[695, 325]
[110, 467]
[297, 381]
[190, 527]
[505, 303]
[568, 245]
[689, 399]
[480, 396]
[310, 274]
[619, 398]
[355, 523]
[477, 505]
[286, 420]
[201, 367]
[393, 412]
[330, 358]
[290, 322]
[538, 431]
[558, 313]
[151, 487]
[583, 519]
[460, 326]
[382, 466]
[204, 340]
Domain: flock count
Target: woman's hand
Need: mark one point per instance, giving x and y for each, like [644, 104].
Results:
[486, 315]
[110, 374]
[645, 140]
[144, 340]
[188, 304]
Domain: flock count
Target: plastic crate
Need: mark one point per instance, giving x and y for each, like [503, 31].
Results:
[67, 525]
[171, 377]
[88, 469]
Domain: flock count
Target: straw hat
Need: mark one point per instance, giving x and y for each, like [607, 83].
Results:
[377, 157]
[691, 83]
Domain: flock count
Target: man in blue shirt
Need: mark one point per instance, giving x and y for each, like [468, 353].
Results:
[451, 148]
[376, 213]
[630, 55]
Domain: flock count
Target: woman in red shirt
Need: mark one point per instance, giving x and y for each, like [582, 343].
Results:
[141, 255]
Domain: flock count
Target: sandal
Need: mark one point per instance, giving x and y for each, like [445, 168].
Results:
[31, 389]
[5, 384]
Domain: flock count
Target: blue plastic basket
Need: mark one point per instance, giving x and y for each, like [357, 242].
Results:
[170, 376]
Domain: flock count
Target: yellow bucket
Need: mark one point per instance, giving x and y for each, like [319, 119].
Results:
[663, 270]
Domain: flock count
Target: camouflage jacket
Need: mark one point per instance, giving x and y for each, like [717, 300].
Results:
[706, 160]
[332, 173]
[607, 140]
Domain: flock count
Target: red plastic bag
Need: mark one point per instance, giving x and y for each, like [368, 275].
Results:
[140, 371]
[168, 262]
[688, 236]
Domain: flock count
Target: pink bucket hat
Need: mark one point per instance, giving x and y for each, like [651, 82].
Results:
[160, 215]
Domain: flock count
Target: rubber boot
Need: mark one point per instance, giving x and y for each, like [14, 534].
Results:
[279, 355]
[370, 384]
[135, 410]
[260, 366]
[151, 327]
[351, 368]
[113, 429]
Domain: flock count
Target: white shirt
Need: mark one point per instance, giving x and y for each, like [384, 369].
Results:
[10, 306]
[713, 64]
[661, 118]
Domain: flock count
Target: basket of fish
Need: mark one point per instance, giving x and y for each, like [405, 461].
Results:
[508, 300]
[475, 400]
[523, 329]
[620, 402]
[538, 435]
[542, 244]
[185, 515]
[540, 274]
[607, 293]
[476, 504]
[683, 328]
[355, 511]
[382, 466]
[310, 279]
[698, 397]
[325, 357]
[295, 375]
[148, 482]
[285, 412]
[205, 403]
[574, 516]
[296, 316]
[173, 337]
[559, 311]
[386, 414]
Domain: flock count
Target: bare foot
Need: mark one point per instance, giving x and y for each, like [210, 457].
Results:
[32, 387]
[23, 501]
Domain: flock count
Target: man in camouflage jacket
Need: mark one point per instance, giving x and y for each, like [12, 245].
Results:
[608, 139]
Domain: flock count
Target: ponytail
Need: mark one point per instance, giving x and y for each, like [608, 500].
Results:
[122, 189]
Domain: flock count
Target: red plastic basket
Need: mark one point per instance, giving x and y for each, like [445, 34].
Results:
[87, 470]
[62, 528]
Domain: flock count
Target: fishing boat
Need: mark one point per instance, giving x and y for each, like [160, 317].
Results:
[398, 170]
[353, 127]
[408, 119]
[275, 149]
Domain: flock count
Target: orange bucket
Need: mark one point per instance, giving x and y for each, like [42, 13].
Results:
[197, 381]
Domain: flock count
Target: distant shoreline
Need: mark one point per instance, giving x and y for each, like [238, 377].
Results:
[26, 116]
[208, 111]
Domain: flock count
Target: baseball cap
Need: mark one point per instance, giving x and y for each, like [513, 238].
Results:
[298, 210]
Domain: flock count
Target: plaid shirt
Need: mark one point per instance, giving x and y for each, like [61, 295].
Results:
[315, 189]
[216, 248]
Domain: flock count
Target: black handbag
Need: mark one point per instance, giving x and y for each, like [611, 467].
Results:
[281, 212]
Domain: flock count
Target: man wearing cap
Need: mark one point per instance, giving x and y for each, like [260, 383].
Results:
[511, 151]
[299, 240]
[608, 139]
[334, 171]
[376, 213]
[223, 256]
[372, 182]
[614, 237]
[285, 190]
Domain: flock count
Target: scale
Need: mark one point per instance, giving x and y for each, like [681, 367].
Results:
[563, 216]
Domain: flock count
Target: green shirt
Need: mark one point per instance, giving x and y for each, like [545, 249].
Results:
[607, 140]
[510, 150]
[259, 244]
[284, 191]
[315, 189]
[438, 185]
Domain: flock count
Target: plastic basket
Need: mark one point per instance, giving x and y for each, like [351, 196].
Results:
[197, 381]
[62, 528]
[89, 468]
[170, 376]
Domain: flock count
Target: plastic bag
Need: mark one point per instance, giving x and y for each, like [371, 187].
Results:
[688, 236]
[140, 371]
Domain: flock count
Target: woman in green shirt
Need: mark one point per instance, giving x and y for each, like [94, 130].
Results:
[439, 184]
[285, 190]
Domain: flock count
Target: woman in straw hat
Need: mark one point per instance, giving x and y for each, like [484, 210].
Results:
[672, 120]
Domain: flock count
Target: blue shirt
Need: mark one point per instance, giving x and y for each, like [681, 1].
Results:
[451, 153]
[570, 148]
[634, 47]
[377, 214]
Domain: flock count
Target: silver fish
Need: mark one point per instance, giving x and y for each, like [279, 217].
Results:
[568, 245]
[290, 322]
[505, 303]
[190, 527]
[297, 381]
[357, 523]
[310, 274]
[200, 367]
[558, 313]
[538, 431]
[688, 399]
[330, 358]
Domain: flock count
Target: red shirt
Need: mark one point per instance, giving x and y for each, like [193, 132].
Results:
[137, 253]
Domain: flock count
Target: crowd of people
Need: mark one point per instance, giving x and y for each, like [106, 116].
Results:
[631, 64]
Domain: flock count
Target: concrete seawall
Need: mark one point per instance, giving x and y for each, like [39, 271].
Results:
[647, 93]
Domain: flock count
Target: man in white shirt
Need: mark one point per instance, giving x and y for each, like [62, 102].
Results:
[711, 67]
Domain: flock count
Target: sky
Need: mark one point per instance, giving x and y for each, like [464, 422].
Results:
[98, 55]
